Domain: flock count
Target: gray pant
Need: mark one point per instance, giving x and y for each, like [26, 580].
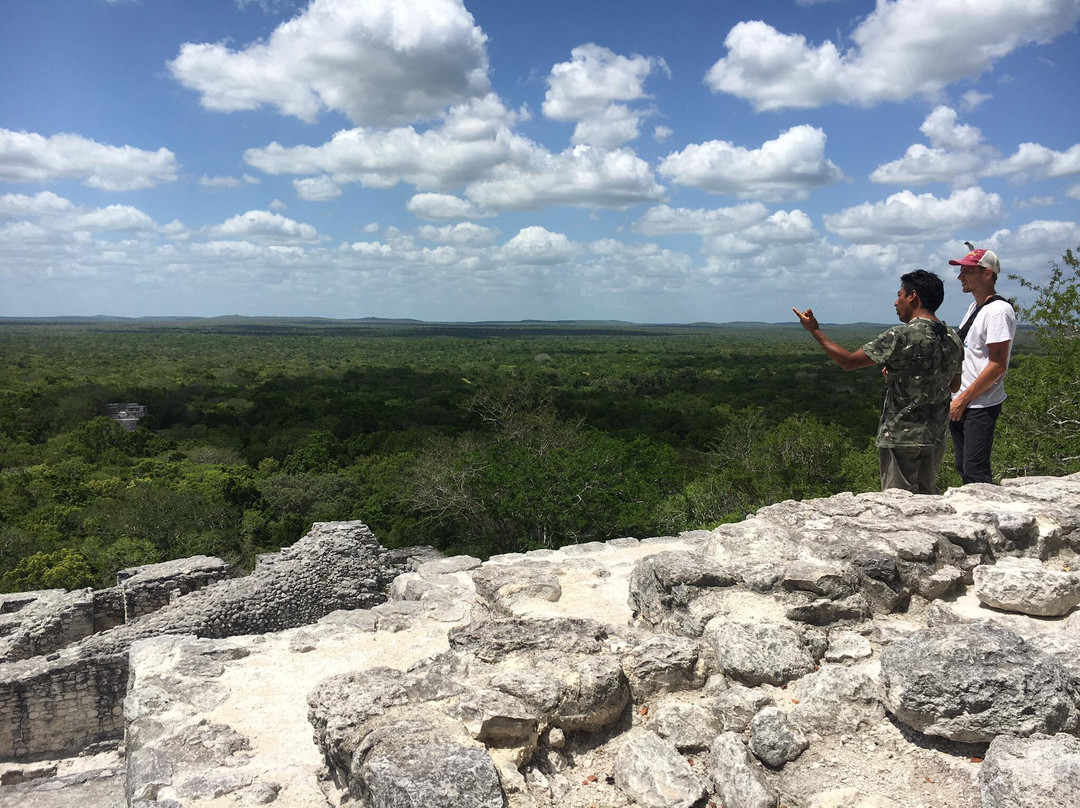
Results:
[913, 468]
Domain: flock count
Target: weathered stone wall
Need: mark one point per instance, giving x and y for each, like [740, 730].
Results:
[59, 703]
[36, 623]
[143, 590]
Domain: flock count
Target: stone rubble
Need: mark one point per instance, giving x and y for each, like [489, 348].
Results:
[879, 650]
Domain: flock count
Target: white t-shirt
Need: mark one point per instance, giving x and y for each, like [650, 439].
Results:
[995, 322]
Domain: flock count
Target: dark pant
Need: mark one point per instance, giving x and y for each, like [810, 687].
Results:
[972, 437]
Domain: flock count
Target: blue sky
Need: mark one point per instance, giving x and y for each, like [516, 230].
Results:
[654, 162]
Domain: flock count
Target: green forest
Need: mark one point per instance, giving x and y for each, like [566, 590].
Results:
[474, 438]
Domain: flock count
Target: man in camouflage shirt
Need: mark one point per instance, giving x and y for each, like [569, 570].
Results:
[921, 362]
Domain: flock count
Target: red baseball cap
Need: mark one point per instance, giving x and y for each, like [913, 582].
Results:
[979, 258]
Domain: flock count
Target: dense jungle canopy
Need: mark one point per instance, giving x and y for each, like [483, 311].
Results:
[478, 438]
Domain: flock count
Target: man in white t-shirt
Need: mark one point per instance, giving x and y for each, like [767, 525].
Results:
[988, 329]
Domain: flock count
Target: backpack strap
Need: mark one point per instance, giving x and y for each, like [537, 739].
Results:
[963, 329]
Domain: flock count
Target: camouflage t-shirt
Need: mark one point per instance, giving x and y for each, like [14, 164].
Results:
[922, 358]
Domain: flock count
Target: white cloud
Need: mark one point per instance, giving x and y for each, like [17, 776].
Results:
[943, 131]
[434, 207]
[788, 167]
[465, 233]
[594, 88]
[379, 62]
[1033, 202]
[268, 6]
[613, 267]
[537, 245]
[431, 160]
[901, 49]
[1073, 191]
[113, 218]
[582, 176]
[921, 165]
[610, 126]
[973, 99]
[1032, 161]
[218, 183]
[662, 133]
[910, 217]
[665, 220]
[317, 189]
[30, 157]
[1038, 236]
[265, 226]
[20, 205]
[956, 154]
[474, 150]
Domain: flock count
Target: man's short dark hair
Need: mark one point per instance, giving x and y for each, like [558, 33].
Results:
[927, 286]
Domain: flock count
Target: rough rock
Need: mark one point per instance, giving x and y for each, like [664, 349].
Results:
[838, 699]
[823, 611]
[1041, 771]
[740, 783]
[430, 774]
[533, 709]
[664, 664]
[972, 682]
[760, 653]
[502, 586]
[652, 773]
[845, 646]
[688, 725]
[775, 739]
[831, 580]
[1025, 585]
[664, 589]
[736, 706]
[492, 640]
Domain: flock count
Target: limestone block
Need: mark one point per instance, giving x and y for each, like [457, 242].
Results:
[839, 699]
[740, 783]
[845, 646]
[1025, 585]
[829, 579]
[429, 774]
[687, 725]
[775, 739]
[972, 682]
[652, 773]
[493, 640]
[664, 586]
[736, 706]
[664, 664]
[1036, 772]
[759, 653]
[498, 718]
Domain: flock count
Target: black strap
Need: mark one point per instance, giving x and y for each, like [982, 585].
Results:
[963, 330]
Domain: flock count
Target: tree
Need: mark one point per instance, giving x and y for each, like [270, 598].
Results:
[1041, 434]
[61, 569]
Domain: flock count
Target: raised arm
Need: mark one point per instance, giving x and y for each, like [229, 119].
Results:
[846, 359]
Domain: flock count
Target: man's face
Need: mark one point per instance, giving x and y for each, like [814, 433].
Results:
[972, 277]
[906, 304]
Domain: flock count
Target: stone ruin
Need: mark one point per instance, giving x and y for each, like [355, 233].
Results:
[127, 415]
[64, 672]
[879, 650]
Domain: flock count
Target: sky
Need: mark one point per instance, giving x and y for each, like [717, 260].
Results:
[674, 162]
